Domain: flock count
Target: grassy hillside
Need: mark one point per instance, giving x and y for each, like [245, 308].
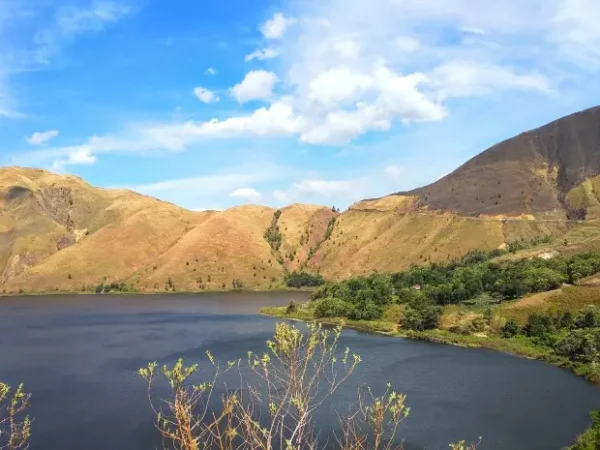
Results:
[391, 233]
[58, 233]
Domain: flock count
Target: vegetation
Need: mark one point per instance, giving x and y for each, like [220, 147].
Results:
[272, 235]
[474, 276]
[15, 425]
[303, 279]
[120, 287]
[590, 439]
[293, 378]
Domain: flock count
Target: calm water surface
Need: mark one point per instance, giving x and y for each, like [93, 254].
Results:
[78, 355]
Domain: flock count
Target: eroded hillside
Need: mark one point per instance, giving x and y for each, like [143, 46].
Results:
[60, 233]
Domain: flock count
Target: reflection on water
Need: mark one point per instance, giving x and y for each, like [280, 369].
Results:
[79, 354]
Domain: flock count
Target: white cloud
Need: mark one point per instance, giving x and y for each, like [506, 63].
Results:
[71, 21]
[211, 71]
[348, 68]
[407, 44]
[280, 196]
[473, 30]
[323, 187]
[470, 79]
[393, 170]
[76, 157]
[41, 137]
[262, 54]
[576, 32]
[337, 85]
[256, 85]
[205, 95]
[204, 189]
[246, 194]
[275, 27]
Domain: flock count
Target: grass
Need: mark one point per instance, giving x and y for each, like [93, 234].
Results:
[569, 298]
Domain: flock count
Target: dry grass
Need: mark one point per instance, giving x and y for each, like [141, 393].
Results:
[569, 298]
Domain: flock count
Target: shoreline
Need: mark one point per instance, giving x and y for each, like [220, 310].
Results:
[514, 346]
[206, 291]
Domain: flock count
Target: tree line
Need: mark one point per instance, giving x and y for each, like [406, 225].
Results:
[424, 289]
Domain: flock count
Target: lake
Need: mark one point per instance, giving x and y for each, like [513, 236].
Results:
[79, 355]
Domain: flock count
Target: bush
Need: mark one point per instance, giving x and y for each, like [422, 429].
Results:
[333, 307]
[422, 318]
[589, 318]
[590, 439]
[538, 325]
[303, 279]
[15, 425]
[511, 328]
[366, 311]
[292, 307]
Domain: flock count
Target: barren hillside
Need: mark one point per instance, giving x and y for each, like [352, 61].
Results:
[60, 233]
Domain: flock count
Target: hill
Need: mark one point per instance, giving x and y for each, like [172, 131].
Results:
[59, 233]
[535, 184]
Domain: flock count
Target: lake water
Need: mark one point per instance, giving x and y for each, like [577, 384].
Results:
[78, 355]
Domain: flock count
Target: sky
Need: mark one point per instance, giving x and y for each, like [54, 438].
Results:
[214, 103]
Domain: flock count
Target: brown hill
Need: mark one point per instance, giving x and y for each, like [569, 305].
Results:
[59, 233]
[529, 174]
[520, 189]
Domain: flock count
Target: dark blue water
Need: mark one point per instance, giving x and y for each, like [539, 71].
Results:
[78, 355]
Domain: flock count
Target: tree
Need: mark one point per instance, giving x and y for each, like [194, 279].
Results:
[15, 425]
[333, 307]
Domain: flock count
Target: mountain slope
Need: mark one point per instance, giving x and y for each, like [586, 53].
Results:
[522, 188]
[529, 174]
[60, 233]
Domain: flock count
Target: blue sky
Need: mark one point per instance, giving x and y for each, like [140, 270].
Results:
[211, 104]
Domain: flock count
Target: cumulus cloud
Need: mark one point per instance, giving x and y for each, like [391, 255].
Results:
[205, 95]
[276, 26]
[76, 157]
[262, 54]
[41, 137]
[211, 71]
[381, 64]
[256, 85]
[247, 194]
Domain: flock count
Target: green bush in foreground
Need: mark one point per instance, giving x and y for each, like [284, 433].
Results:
[15, 425]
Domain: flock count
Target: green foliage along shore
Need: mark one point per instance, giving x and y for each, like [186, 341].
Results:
[476, 278]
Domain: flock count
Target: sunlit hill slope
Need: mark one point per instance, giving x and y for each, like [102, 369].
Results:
[58, 233]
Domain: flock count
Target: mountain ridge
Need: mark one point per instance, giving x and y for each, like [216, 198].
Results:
[60, 233]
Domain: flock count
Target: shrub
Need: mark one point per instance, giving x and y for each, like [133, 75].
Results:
[590, 439]
[511, 328]
[538, 325]
[15, 425]
[292, 307]
[366, 311]
[333, 307]
[420, 318]
[303, 279]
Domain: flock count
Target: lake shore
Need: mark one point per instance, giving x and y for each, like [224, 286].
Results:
[516, 346]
